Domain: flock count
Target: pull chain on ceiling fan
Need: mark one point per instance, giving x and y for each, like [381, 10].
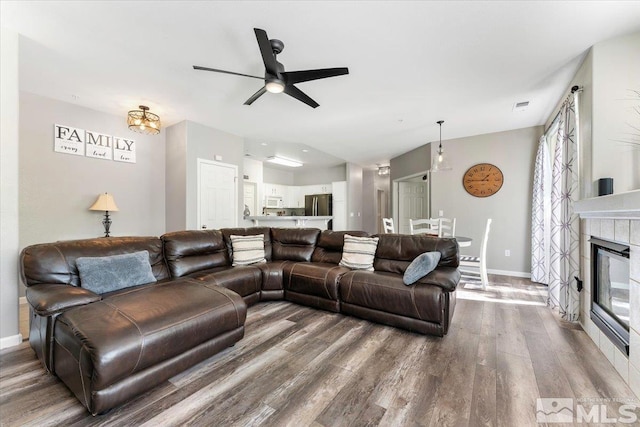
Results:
[276, 80]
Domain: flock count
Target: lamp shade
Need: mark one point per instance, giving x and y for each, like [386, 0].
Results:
[105, 202]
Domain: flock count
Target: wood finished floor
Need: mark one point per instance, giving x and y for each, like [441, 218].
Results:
[304, 367]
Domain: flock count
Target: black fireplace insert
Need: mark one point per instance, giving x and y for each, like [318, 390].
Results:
[610, 305]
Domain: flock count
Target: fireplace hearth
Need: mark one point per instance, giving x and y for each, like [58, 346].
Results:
[610, 304]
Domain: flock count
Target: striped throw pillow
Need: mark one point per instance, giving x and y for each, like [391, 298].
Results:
[358, 252]
[247, 249]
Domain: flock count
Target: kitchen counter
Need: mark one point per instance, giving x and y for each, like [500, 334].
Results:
[320, 222]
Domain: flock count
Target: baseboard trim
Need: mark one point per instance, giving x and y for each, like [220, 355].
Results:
[510, 273]
[10, 341]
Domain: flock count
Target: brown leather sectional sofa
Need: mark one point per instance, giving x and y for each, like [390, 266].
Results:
[109, 348]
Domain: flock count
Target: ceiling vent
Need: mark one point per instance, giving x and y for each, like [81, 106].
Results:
[521, 106]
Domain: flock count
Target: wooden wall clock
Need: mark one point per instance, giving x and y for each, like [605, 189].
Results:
[483, 180]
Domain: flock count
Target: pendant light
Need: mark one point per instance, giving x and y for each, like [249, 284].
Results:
[143, 121]
[440, 162]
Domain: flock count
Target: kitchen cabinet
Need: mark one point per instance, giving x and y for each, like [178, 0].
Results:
[293, 195]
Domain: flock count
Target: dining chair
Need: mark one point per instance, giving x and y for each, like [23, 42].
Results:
[424, 226]
[475, 267]
[447, 227]
[387, 225]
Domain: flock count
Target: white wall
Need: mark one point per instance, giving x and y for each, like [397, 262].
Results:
[514, 153]
[616, 71]
[9, 242]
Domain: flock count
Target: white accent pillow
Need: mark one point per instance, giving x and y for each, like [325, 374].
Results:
[247, 250]
[358, 252]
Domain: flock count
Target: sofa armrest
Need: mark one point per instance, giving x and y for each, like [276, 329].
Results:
[48, 299]
[446, 278]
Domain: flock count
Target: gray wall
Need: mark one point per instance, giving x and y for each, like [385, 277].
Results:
[277, 176]
[320, 175]
[9, 218]
[371, 183]
[187, 142]
[57, 189]
[176, 177]
[410, 163]
[514, 153]
[354, 196]
[616, 72]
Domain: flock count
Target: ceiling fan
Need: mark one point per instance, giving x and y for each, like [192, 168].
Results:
[276, 80]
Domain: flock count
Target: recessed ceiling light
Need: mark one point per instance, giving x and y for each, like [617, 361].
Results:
[264, 144]
[304, 150]
[284, 162]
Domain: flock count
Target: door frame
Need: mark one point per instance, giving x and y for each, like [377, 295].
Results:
[395, 194]
[199, 163]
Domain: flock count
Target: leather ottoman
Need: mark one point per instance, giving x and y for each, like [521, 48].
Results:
[110, 351]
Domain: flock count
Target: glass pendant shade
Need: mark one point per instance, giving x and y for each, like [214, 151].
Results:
[440, 162]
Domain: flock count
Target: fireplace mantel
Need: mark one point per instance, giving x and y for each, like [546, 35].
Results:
[621, 205]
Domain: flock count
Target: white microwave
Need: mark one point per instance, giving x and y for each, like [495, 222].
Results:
[273, 202]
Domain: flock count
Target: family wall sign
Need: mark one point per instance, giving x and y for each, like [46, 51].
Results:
[80, 142]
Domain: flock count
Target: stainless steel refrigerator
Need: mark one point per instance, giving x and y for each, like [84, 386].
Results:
[318, 205]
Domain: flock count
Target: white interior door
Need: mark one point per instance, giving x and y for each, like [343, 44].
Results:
[217, 195]
[413, 203]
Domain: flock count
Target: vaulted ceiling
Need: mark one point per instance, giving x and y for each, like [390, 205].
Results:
[411, 64]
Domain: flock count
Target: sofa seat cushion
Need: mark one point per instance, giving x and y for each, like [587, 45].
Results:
[129, 332]
[386, 292]
[243, 280]
[315, 278]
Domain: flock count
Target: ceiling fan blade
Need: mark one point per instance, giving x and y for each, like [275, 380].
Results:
[255, 96]
[197, 67]
[300, 95]
[293, 77]
[268, 57]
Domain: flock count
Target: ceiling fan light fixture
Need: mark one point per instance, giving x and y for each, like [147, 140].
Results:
[143, 121]
[274, 86]
[284, 162]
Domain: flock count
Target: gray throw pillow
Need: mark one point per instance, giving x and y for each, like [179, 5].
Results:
[110, 273]
[421, 266]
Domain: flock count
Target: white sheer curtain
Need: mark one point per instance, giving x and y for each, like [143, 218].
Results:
[558, 240]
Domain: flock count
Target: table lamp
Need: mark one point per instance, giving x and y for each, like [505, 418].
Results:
[105, 203]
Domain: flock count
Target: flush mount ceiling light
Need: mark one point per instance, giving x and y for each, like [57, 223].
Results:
[143, 121]
[440, 163]
[384, 170]
[284, 162]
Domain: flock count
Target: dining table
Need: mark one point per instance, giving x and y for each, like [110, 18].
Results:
[463, 241]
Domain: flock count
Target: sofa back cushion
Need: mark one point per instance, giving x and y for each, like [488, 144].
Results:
[194, 250]
[330, 244]
[56, 262]
[293, 244]
[252, 231]
[396, 251]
